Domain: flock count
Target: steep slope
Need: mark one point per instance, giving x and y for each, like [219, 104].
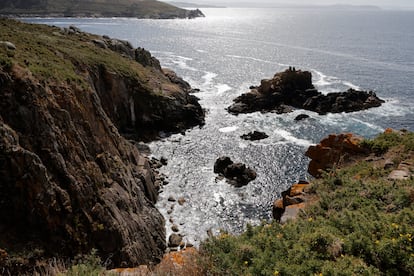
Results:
[98, 8]
[69, 181]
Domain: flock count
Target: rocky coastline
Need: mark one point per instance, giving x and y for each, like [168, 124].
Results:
[294, 89]
[73, 174]
[70, 182]
[151, 9]
[332, 153]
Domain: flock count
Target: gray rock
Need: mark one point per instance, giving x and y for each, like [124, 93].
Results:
[100, 43]
[399, 175]
[174, 240]
[174, 228]
[8, 45]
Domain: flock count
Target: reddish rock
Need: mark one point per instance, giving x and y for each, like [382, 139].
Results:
[298, 189]
[333, 150]
[292, 199]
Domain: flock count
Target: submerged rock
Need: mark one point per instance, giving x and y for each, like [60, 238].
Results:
[301, 117]
[174, 240]
[294, 88]
[254, 136]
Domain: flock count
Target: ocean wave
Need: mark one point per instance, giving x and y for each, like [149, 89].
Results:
[228, 129]
[258, 60]
[327, 84]
[222, 88]
[208, 78]
[290, 138]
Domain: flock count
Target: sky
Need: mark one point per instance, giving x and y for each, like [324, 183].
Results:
[381, 3]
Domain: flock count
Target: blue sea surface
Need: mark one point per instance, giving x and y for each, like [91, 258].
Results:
[232, 49]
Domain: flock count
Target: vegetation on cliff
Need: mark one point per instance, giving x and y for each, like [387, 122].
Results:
[96, 8]
[70, 182]
[361, 223]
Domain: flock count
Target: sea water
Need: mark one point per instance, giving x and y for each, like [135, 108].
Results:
[232, 49]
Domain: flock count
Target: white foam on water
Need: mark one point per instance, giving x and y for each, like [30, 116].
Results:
[243, 145]
[208, 78]
[327, 84]
[258, 59]
[351, 85]
[291, 139]
[182, 64]
[392, 107]
[228, 129]
[221, 88]
[201, 51]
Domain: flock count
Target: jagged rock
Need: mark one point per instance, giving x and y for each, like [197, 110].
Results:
[237, 174]
[255, 135]
[146, 59]
[70, 179]
[332, 151]
[69, 182]
[292, 201]
[174, 240]
[172, 76]
[294, 88]
[221, 164]
[194, 14]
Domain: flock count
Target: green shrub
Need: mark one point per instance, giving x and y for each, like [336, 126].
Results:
[362, 224]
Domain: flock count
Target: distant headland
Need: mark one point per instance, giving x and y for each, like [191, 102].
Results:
[95, 8]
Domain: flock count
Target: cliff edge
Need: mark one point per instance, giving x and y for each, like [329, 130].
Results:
[69, 181]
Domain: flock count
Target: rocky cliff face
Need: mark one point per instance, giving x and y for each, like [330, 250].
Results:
[69, 181]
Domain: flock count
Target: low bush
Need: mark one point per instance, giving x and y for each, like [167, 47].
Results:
[364, 226]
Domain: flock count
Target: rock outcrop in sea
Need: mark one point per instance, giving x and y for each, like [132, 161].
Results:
[237, 174]
[294, 89]
[69, 181]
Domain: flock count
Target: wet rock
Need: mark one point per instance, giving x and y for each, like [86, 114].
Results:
[221, 164]
[174, 228]
[278, 209]
[236, 174]
[182, 200]
[301, 117]
[174, 240]
[294, 88]
[164, 161]
[239, 175]
[255, 135]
